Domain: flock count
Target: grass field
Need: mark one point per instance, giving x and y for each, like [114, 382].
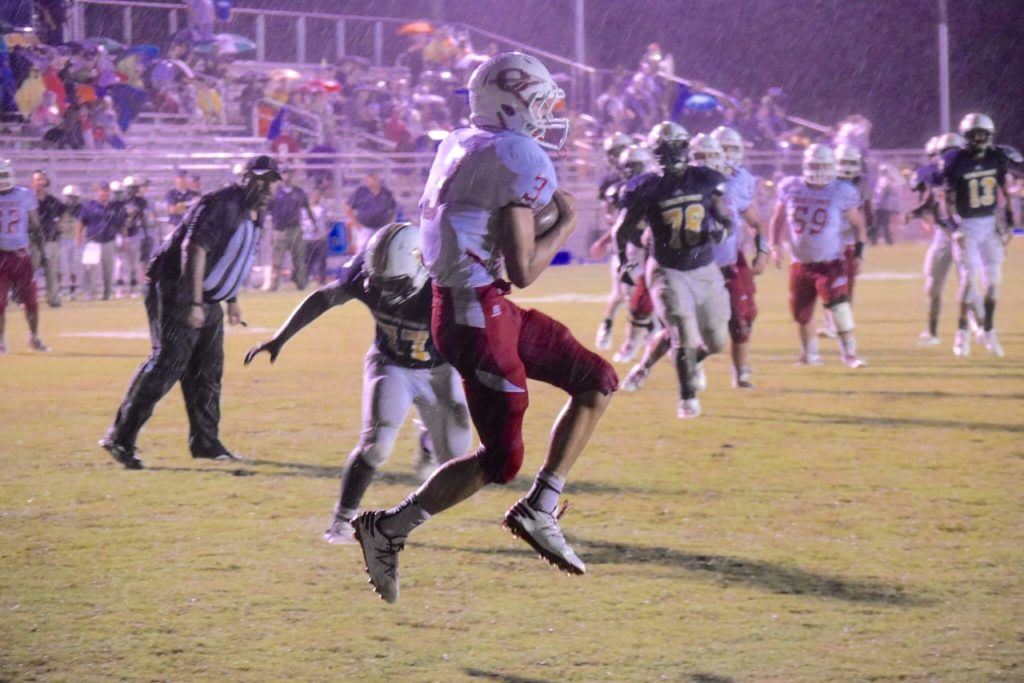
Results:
[830, 525]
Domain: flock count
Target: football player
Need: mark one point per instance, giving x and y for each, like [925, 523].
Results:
[608, 194]
[975, 179]
[18, 219]
[402, 366]
[476, 215]
[812, 207]
[687, 215]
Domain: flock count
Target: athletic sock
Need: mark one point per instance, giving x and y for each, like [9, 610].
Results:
[684, 371]
[404, 517]
[990, 314]
[961, 324]
[544, 493]
[933, 327]
[355, 480]
[848, 345]
[811, 347]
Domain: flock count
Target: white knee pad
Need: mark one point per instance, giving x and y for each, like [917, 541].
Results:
[842, 314]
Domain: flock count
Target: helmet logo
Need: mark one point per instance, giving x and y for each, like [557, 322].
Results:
[516, 81]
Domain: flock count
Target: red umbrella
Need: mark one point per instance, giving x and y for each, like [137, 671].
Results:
[414, 28]
[326, 85]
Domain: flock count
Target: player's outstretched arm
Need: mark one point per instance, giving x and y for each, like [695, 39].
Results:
[526, 255]
[775, 232]
[311, 308]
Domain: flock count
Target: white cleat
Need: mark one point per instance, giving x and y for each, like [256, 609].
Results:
[962, 344]
[688, 407]
[854, 362]
[810, 359]
[700, 378]
[36, 344]
[741, 380]
[541, 531]
[604, 337]
[625, 352]
[993, 345]
[976, 329]
[341, 533]
[928, 339]
[636, 378]
[380, 553]
[827, 333]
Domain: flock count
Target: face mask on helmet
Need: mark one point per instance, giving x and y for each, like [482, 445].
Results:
[670, 143]
[707, 152]
[732, 145]
[514, 91]
[6, 175]
[819, 165]
[393, 263]
[979, 138]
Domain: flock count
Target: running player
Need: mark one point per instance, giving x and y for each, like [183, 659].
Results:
[975, 184]
[811, 207]
[402, 367]
[608, 194]
[477, 214]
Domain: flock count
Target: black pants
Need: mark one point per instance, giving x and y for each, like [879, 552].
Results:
[193, 356]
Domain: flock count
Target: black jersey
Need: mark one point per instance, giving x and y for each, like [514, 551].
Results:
[608, 190]
[973, 180]
[678, 208]
[626, 190]
[403, 331]
[926, 177]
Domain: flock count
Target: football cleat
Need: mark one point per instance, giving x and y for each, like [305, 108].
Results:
[426, 460]
[928, 339]
[854, 362]
[688, 407]
[741, 380]
[125, 456]
[221, 455]
[341, 532]
[541, 531]
[604, 336]
[625, 352]
[810, 359]
[976, 329]
[962, 344]
[36, 344]
[380, 554]
[993, 345]
[827, 333]
[636, 377]
[700, 378]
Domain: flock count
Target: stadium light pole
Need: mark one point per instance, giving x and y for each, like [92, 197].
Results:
[943, 67]
[579, 43]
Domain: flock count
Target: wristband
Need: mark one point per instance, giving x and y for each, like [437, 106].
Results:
[858, 249]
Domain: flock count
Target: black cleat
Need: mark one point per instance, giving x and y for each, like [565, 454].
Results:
[221, 455]
[125, 456]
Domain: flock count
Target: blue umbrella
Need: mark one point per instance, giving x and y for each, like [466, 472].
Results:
[700, 102]
[146, 52]
[128, 102]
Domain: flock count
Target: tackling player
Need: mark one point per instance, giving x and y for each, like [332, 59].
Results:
[687, 215]
[476, 215]
[975, 183]
[402, 367]
[811, 207]
[18, 218]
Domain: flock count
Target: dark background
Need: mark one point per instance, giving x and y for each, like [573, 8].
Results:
[832, 57]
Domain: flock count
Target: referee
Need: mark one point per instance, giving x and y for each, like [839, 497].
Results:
[205, 261]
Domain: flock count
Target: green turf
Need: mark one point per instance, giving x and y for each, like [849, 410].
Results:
[830, 525]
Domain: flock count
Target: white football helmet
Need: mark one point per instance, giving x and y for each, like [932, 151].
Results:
[819, 165]
[669, 142]
[514, 91]
[6, 175]
[849, 162]
[978, 129]
[393, 263]
[732, 144]
[614, 144]
[634, 160]
[71, 191]
[931, 148]
[948, 141]
[707, 151]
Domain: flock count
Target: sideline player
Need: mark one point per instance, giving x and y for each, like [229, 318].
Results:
[975, 183]
[18, 218]
[608, 194]
[687, 215]
[402, 368]
[811, 207]
[476, 214]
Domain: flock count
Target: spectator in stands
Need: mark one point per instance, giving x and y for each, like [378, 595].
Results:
[103, 219]
[50, 19]
[286, 209]
[46, 249]
[179, 198]
[371, 207]
[195, 184]
[314, 234]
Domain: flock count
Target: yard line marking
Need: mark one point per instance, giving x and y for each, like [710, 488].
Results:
[142, 333]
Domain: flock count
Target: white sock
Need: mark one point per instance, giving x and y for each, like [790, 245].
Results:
[848, 345]
[811, 347]
[544, 493]
[404, 517]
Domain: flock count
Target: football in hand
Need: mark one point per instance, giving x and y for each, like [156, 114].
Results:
[545, 218]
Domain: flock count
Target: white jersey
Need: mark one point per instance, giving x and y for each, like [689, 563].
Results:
[15, 205]
[740, 189]
[861, 185]
[475, 174]
[814, 216]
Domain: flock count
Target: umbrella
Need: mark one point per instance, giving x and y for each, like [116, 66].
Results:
[285, 74]
[128, 102]
[415, 28]
[233, 44]
[146, 53]
[700, 102]
[163, 71]
[323, 85]
[109, 44]
[18, 38]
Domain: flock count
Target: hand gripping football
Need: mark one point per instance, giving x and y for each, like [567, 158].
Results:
[545, 218]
